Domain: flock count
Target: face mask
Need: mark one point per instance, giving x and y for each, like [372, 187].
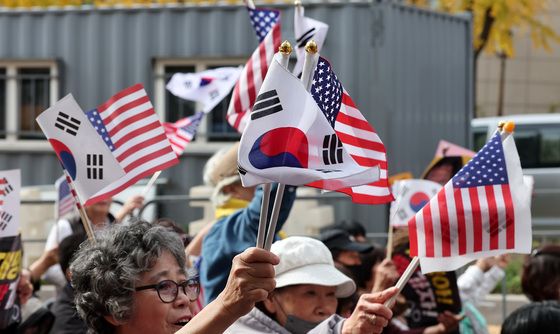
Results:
[297, 325]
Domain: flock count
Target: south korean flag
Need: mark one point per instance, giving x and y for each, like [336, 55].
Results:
[289, 140]
[81, 151]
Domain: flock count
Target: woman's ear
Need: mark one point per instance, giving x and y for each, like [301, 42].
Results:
[270, 305]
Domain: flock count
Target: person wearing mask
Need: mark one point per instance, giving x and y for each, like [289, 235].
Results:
[237, 220]
[305, 298]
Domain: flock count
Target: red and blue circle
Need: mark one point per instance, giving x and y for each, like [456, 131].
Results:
[418, 200]
[281, 147]
[65, 156]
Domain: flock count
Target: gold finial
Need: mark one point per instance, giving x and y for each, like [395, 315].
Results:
[501, 125]
[311, 47]
[509, 126]
[285, 48]
[297, 3]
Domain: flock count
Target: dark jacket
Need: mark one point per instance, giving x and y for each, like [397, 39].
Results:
[67, 320]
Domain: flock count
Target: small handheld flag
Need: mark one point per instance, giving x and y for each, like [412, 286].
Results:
[484, 210]
[207, 87]
[182, 132]
[266, 23]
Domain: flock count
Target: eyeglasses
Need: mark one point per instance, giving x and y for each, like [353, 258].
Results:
[168, 290]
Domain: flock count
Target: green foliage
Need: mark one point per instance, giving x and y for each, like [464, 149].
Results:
[513, 275]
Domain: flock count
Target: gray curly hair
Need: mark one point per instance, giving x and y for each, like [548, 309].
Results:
[104, 274]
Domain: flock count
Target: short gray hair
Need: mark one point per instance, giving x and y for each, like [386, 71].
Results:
[105, 273]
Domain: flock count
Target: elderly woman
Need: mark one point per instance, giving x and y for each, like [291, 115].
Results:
[133, 280]
[305, 298]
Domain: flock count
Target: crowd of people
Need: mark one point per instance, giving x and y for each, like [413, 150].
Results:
[151, 277]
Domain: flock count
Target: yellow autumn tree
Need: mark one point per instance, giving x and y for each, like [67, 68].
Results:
[496, 21]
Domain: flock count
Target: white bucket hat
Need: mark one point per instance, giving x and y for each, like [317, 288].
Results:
[306, 260]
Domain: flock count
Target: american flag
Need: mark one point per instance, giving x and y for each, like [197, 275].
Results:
[475, 211]
[182, 132]
[266, 23]
[132, 131]
[357, 135]
[64, 199]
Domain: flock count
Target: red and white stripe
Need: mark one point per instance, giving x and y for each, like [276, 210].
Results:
[460, 221]
[178, 137]
[364, 145]
[141, 146]
[251, 78]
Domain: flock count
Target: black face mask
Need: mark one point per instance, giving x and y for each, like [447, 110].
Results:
[297, 325]
[294, 324]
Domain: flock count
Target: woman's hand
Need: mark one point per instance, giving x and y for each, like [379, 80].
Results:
[385, 275]
[250, 280]
[370, 315]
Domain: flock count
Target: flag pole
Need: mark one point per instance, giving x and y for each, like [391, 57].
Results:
[85, 219]
[150, 183]
[389, 253]
[250, 4]
[506, 129]
[285, 50]
[309, 64]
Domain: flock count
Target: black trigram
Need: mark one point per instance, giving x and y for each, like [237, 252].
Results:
[66, 123]
[332, 150]
[327, 171]
[94, 168]
[241, 170]
[266, 104]
[214, 94]
[7, 187]
[305, 37]
[6, 217]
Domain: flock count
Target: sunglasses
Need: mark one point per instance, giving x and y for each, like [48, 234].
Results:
[168, 290]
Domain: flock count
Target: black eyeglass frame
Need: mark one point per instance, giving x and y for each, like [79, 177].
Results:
[184, 284]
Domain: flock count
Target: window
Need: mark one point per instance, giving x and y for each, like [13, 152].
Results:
[26, 90]
[479, 138]
[214, 127]
[538, 145]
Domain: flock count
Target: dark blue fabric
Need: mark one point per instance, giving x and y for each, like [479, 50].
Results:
[233, 234]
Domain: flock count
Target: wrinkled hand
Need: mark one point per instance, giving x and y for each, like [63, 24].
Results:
[370, 316]
[24, 287]
[385, 275]
[250, 280]
[131, 204]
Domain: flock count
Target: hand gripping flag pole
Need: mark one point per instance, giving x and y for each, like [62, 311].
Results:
[506, 129]
[285, 50]
[309, 65]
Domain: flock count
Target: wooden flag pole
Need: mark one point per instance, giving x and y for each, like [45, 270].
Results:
[403, 279]
[506, 129]
[389, 252]
[85, 219]
[250, 4]
[285, 50]
[150, 183]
